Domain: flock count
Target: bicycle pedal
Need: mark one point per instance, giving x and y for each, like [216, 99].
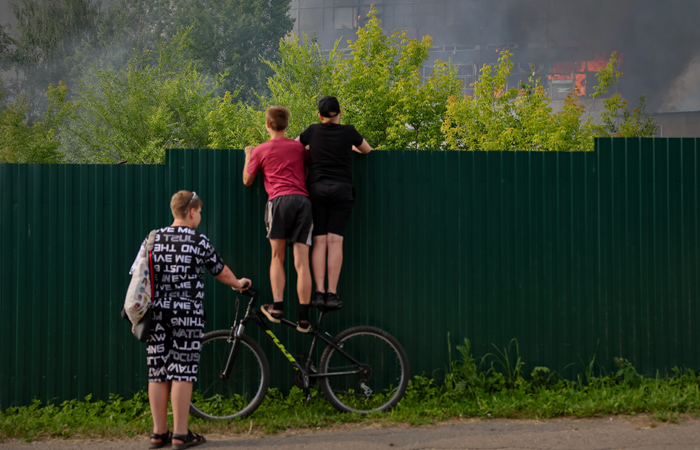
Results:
[308, 399]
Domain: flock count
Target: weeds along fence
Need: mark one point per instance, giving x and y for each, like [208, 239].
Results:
[578, 256]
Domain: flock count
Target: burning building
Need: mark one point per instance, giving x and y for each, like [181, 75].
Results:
[563, 41]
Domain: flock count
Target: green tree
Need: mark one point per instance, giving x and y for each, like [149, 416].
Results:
[378, 82]
[617, 120]
[302, 74]
[37, 142]
[496, 118]
[234, 38]
[7, 46]
[124, 28]
[227, 36]
[49, 32]
[383, 92]
[488, 120]
[235, 124]
[158, 101]
[569, 132]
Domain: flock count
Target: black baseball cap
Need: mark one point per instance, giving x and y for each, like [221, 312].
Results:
[328, 106]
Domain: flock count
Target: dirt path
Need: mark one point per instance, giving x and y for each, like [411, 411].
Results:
[608, 433]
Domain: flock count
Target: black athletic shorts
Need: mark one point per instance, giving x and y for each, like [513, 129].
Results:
[289, 217]
[332, 203]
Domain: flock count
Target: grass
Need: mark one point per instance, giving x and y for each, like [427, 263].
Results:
[493, 387]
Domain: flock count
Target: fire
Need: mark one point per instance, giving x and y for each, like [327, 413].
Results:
[578, 80]
[577, 71]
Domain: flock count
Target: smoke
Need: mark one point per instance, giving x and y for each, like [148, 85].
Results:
[658, 40]
[684, 94]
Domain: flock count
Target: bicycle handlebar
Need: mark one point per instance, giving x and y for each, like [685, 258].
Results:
[250, 292]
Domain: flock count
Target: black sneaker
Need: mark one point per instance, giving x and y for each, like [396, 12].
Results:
[332, 302]
[319, 300]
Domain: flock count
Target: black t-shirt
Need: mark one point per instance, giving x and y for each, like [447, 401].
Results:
[330, 147]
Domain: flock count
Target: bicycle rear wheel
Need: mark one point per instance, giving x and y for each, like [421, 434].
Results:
[383, 371]
[242, 392]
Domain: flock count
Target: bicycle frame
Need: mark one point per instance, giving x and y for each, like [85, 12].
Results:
[253, 314]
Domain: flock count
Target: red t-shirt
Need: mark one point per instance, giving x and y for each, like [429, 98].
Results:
[281, 161]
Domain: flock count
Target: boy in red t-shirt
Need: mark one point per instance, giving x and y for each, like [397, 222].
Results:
[283, 161]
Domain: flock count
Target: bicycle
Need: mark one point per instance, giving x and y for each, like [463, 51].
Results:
[361, 370]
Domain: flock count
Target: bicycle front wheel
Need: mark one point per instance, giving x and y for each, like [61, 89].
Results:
[376, 382]
[238, 395]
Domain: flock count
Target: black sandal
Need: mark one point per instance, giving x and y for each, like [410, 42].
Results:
[188, 441]
[165, 439]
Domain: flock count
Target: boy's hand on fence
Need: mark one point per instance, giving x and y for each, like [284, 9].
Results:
[249, 150]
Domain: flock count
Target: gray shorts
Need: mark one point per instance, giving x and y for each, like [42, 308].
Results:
[289, 217]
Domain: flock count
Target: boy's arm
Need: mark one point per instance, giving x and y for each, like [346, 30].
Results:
[364, 148]
[298, 139]
[247, 177]
[227, 277]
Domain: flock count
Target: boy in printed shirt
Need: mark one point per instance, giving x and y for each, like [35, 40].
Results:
[180, 254]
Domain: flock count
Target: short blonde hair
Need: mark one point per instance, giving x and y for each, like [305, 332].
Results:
[277, 117]
[182, 202]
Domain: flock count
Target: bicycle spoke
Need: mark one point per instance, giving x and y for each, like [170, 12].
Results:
[377, 384]
[242, 391]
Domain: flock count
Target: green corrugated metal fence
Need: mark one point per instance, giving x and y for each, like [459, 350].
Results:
[575, 255]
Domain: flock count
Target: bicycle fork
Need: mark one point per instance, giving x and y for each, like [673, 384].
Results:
[234, 339]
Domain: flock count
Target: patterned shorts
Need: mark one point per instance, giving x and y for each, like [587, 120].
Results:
[172, 353]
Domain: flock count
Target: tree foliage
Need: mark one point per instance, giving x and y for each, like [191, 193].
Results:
[164, 64]
[379, 83]
[234, 37]
[37, 142]
[235, 124]
[157, 101]
[49, 32]
[7, 46]
[227, 36]
[497, 118]
[383, 92]
[302, 74]
[616, 119]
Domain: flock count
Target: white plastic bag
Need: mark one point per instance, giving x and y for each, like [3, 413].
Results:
[140, 292]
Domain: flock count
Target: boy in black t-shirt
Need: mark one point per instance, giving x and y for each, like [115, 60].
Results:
[332, 196]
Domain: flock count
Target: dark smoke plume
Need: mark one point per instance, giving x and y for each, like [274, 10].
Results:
[657, 39]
